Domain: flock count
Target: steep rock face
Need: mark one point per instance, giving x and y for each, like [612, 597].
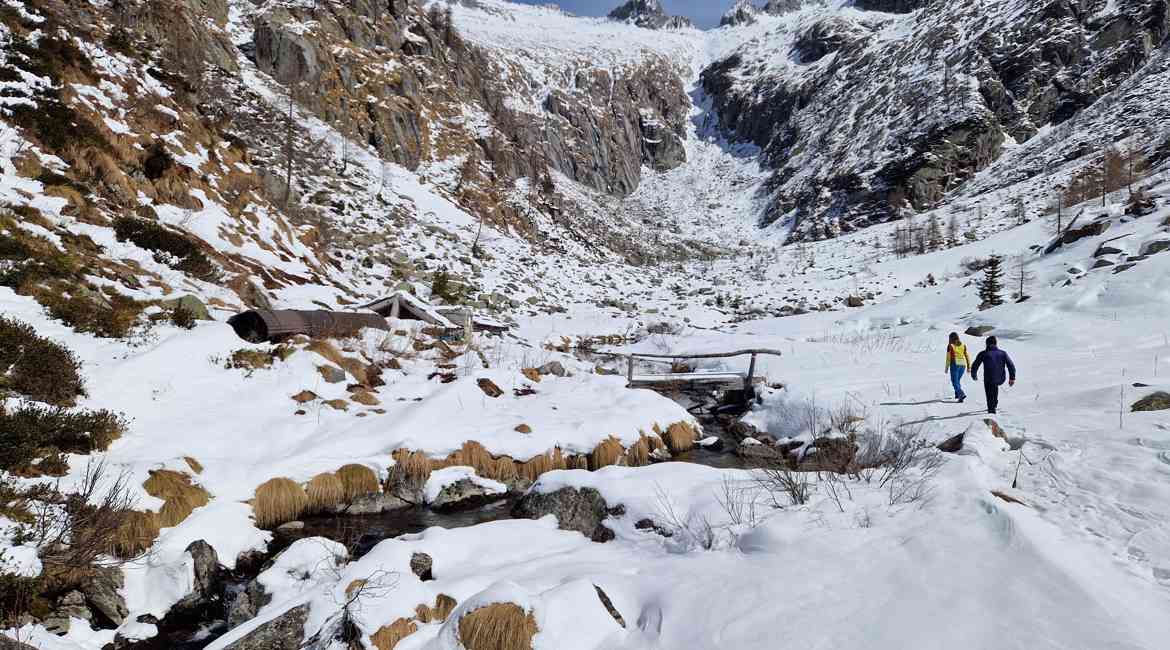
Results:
[891, 6]
[398, 79]
[743, 12]
[648, 14]
[861, 125]
[780, 7]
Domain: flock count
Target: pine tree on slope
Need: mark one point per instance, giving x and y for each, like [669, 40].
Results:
[991, 286]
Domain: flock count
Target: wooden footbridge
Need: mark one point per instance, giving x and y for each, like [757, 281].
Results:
[693, 379]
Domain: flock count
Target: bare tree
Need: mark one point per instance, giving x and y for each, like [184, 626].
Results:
[1021, 276]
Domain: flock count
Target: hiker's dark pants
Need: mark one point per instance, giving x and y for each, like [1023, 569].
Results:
[991, 390]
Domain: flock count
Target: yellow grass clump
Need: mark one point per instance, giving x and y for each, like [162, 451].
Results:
[499, 626]
[135, 534]
[353, 366]
[358, 480]
[195, 465]
[324, 491]
[639, 453]
[444, 605]
[531, 469]
[388, 636]
[607, 453]
[278, 501]
[354, 587]
[180, 496]
[680, 437]
[413, 466]
[502, 469]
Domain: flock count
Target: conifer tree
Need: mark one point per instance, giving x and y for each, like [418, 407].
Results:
[991, 286]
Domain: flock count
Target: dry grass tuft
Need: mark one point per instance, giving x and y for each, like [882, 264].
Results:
[639, 453]
[531, 469]
[354, 587]
[388, 636]
[607, 453]
[444, 605]
[278, 501]
[136, 533]
[354, 367]
[503, 469]
[500, 626]
[195, 465]
[578, 461]
[358, 480]
[181, 496]
[413, 466]
[324, 491]
[680, 437]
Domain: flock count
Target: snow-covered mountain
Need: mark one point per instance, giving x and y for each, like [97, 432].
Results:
[527, 198]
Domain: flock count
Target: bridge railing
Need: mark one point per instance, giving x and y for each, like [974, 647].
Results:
[755, 352]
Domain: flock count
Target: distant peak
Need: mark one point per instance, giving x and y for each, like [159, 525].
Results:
[743, 12]
[648, 14]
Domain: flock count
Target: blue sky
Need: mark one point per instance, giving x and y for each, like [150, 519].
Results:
[705, 13]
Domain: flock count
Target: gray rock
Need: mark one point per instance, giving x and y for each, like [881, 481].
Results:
[759, 452]
[285, 632]
[891, 6]
[552, 368]
[208, 574]
[979, 330]
[192, 304]
[648, 14]
[331, 374]
[102, 593]
[1154, 247]
[1159, 401]
[743, 12]
[420, 565]
[372, 504]
[1100, 264]
[9, 644]
[581, 510]
[462, 495]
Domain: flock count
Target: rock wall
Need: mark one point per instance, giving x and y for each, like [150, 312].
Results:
[861, 127]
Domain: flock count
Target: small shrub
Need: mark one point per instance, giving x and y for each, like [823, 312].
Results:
[32, 431]
[499, 626]
[171, 248]
[183, 317]
[86, 313]
[37, 367]
[249, 360]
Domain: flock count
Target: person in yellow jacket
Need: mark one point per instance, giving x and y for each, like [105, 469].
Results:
[958, 364]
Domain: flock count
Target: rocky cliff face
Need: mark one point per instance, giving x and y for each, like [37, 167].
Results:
[397, 79]
[648, 14]
[743, 12]
[865, 115]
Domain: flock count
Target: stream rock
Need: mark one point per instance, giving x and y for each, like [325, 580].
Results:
[285, 632]
[102, 593]
[420, 566]
[464, 494]
[579, 509]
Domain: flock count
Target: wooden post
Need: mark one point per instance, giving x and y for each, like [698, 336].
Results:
[630, 370]
[751, 373]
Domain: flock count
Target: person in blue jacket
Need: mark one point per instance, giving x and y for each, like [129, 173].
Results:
[999, 367]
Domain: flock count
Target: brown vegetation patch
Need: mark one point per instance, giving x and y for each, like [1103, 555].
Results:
[532, 374]
[679, 437]
[499, 626]
[324, 491]
[327, 350]
[523, 428]
[136, 534]
[444, 605]
[195, 465]
[358, 480]
[412, 466]
[180, 495]
[278, 501]
[364, 397]
[338, 404]
[607, 453]
[388, 636]
[304, 396]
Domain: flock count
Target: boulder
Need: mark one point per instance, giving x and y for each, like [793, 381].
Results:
[464, 494]
[553, 368]
[10, 644]
[420, 566]
[1100, 264]
[1106, 249]
[979, 330]
[952, 445]
[854, 301]
[331, 374]
[1088, 230]
[489, 387]
[579, 509]
[207, 586]
[285, 632]
[192, 304]
[1159, 401]
[102, 592]
[1156, 246]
